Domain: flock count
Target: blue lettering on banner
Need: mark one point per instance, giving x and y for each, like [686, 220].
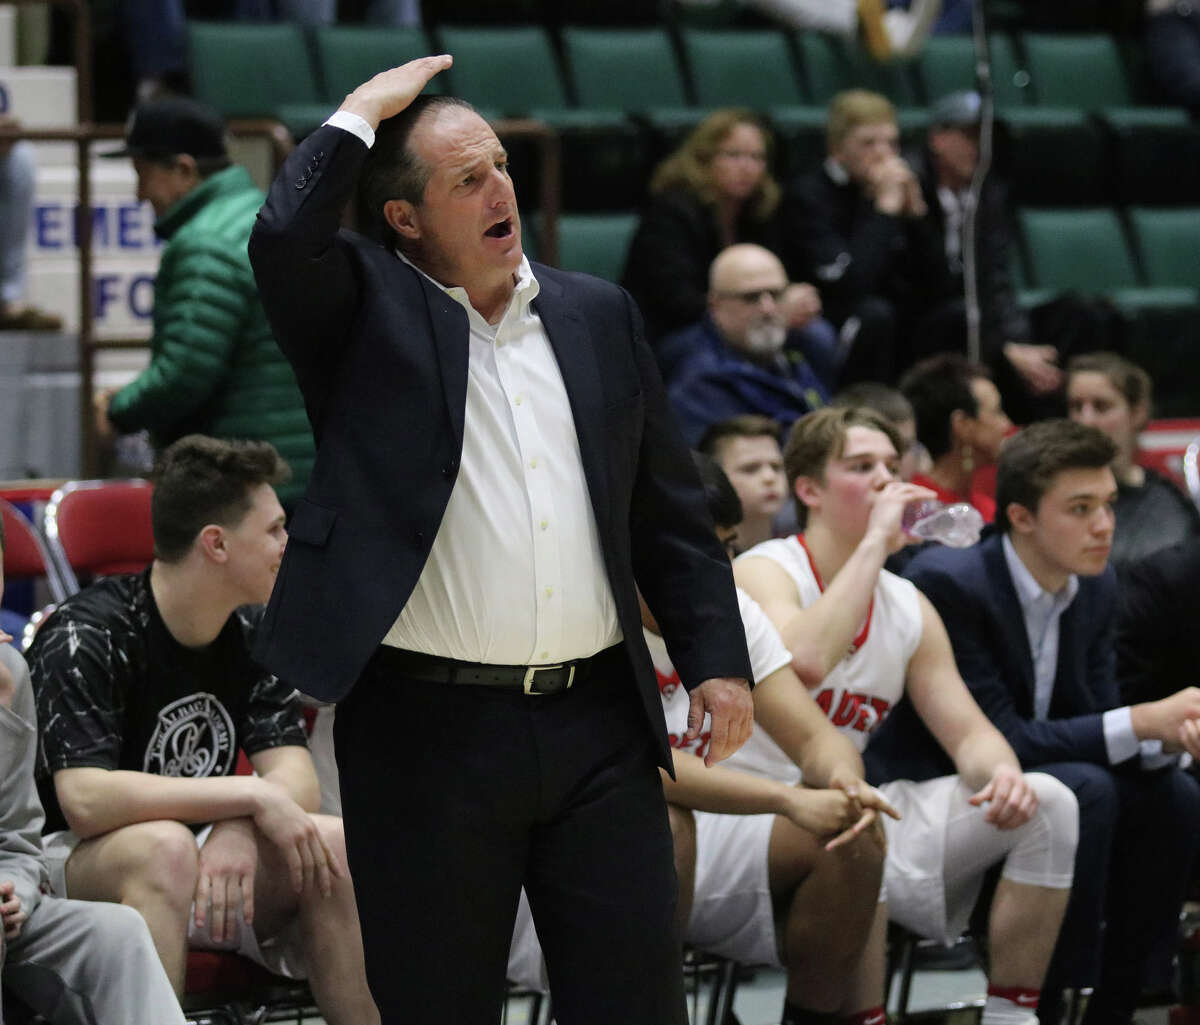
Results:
[104, 294]
[141, 296]
[137, 297]
[127, 226]
[48, 225]
[129, 222]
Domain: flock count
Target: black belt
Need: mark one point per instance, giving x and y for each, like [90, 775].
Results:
[548, 679]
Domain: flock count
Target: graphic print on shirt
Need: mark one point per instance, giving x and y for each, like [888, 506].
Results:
[849, 710]
[194, 738]
[670, 689]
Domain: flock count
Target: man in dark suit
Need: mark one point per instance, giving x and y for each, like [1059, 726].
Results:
[495, 467]
[1031, 614]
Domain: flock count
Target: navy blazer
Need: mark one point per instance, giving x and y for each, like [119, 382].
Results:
[381, 357]
[973, 592]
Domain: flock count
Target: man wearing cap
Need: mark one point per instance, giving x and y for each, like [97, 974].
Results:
[214, 366]
[1024, 351]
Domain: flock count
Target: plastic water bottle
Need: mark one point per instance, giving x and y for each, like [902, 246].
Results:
[957, 525]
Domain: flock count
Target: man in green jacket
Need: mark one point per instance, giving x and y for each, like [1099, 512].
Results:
[214, 366]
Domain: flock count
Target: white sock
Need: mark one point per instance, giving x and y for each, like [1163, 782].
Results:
[1002, 1011]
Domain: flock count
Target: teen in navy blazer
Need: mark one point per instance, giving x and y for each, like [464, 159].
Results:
[1136, 839]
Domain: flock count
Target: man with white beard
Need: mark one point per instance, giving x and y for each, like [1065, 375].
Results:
[741, 358]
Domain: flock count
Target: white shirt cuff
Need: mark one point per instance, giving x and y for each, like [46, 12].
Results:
[1119, 739]
[355, 125]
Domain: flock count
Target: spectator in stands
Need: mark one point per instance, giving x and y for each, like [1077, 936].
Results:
[74, 962]
[857, 226]
[712, 192]
[772, 872]
[17, 178]
[891, 404]
[1172, 38]
[946, 167]
[961, 424]
[746, 448]
[740, 358]
[147, 692]
[1158, 644]
[214, 365]
[1108, 392]
[863, 639]
[1031, 614]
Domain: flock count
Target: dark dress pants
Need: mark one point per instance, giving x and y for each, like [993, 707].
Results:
[1138, 837]
[455, 796]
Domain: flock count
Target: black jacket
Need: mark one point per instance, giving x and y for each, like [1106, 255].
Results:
[381, 357]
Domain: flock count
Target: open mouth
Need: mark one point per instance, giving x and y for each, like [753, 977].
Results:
[501, 229]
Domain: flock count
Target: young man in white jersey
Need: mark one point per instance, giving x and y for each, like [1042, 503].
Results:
[863, 639]
[771, 872]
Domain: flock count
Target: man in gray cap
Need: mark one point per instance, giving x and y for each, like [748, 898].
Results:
[214, 366]
[950, 160]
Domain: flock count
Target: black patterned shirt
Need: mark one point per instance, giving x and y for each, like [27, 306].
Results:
[115, 690]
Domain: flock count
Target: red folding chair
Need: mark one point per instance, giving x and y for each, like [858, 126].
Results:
[25, 553]
[99, 528]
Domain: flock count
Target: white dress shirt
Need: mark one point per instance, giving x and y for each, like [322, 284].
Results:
[515, 575]
[1043, 613]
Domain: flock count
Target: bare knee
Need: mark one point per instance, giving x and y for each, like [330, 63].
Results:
[151, 861]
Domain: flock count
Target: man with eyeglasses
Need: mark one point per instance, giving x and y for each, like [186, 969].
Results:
[741, 358]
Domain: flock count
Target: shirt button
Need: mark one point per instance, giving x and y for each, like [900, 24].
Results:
[549, 592]
[545, 524]
[517, 401]
[533, 464]
[544, 656]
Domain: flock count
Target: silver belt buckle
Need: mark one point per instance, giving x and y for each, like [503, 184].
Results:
[532, 672]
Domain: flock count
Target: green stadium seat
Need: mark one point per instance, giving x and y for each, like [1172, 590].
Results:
[824, 65]
[1053, 157]
[511, 69]
[595, 243]
[347, 55]
[623, 69]
[250, 70]
[1077, 249]
[829, 65]
[1011, 81]
[741, 68]
[1168, 241]
[1084, 72]
[1155, 152]
[946, 65]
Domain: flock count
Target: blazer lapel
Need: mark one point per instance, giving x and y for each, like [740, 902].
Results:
[450, 332]
[1011, 618]
[580, 369]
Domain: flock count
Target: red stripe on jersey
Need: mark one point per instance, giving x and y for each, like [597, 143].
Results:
[863, 633]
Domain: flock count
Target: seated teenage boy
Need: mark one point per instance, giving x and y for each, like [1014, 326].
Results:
[1031, 612]
[866, 642]
[72, 961]
[770, 872]
[146, 691]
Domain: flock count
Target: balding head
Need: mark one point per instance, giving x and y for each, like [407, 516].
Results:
[745, 284]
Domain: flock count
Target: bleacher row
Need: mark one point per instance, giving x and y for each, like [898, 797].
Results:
[1103, 179]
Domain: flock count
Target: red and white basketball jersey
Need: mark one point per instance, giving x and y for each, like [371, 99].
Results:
[859, 692]
[767, 654]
